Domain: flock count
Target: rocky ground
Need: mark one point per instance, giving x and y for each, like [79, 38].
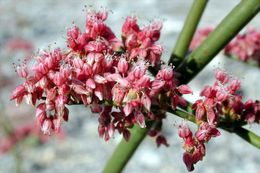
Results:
[44, 24]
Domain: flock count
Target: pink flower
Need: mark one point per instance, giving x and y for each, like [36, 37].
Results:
[184, 131]
[205, 132]
[200, 109]
[128, 108]
[184, 89]
[122, 66]
[47, 125]
[18, 94]
[194, 146]
[130, 26]
[140, 119]
[221, 76]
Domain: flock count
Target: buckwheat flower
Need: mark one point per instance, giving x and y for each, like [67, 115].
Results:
[205, 132]
[75, 40]
[184, 131]
[184, 89]
[140, 42]
[222, 100]
[151, 31]
[18, 94]
[221, 76]
[252, 111]
[234, 86]
[200, 109]
[130, 26]
[194, 146]
[122, 66]
[47, 125]
[140, 119]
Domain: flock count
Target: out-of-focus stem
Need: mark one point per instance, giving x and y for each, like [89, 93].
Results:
[189, 27]
[216, 40]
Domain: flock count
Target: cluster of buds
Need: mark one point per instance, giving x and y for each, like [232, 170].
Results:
[105, 73]
[223, 101]
[194, 145]
[245, 47]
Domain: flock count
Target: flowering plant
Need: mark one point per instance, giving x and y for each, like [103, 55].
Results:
[127, 84]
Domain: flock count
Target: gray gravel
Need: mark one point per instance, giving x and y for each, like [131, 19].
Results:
[45, 22]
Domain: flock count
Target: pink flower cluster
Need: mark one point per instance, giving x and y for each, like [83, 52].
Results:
[194, 146]
[245, 47]
[222, 101]
[107, 74]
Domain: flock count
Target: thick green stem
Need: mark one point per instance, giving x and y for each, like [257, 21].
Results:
[189, 27]
[125, 150]
[216, 41]
[249, 136]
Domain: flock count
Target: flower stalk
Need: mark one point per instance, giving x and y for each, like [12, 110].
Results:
[188, 30]
[125, 150]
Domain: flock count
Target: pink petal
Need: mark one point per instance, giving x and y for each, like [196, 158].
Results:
[99, 79]
[140, 119]
[18, 92]
[187, 159]
[91, 83]
[128, 109]
[111, 130]
[146, 101]
[184, 89]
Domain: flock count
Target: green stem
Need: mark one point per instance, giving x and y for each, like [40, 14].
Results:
[125, 150]
[189, 27]
[249, 136]
[216, 41]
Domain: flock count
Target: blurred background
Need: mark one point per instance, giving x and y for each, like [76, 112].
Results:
[26, 26]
